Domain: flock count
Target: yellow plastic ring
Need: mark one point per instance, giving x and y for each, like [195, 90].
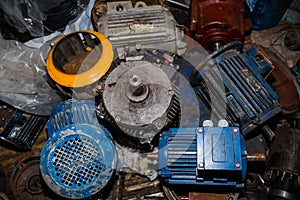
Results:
[87, 77]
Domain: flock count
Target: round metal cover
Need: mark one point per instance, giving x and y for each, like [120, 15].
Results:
[138, 96]
[79, 163]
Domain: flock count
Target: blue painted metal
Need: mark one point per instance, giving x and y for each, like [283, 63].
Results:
[19, 130]
[208, 156]
[72, 112]
[266, 13]
[250, 100]
[251, 4]
[79, 157]
[79, 162]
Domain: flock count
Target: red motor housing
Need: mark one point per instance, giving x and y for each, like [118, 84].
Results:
[214, 23]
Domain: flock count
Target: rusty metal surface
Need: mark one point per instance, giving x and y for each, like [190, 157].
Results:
[133, 186]
[207, 196]
[283, 83]
[26, 181]
[214, 23]
[256, 149]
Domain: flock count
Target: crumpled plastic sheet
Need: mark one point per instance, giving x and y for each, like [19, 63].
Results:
[23, 75]
[23, 78]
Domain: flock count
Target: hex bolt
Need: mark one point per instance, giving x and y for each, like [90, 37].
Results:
[237, 165]
[201, 165]
[117, 118]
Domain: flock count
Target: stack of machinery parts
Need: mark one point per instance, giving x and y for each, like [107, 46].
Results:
[79, 158]
[132, 28]
[204, 156]
[139, 101]
[19, 130]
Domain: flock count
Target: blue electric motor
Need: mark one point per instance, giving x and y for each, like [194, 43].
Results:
[79, 157]
[204, 156]
[247, 99]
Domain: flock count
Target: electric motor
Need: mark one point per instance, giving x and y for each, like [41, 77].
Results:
[19, 130]
[232, 85]
[141, 101]
[130, 28]
[79, 158]
[204, 156]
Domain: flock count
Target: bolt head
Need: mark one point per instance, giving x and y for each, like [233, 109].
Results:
[237, 165]
[200, 130]
[117, 118]
[201, 165]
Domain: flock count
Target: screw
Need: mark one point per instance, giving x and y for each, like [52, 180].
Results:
[235, 130]
[237, 165]
[201, 165]
[200, 130]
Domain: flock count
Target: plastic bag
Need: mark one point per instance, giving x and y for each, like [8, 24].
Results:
[23, 78]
